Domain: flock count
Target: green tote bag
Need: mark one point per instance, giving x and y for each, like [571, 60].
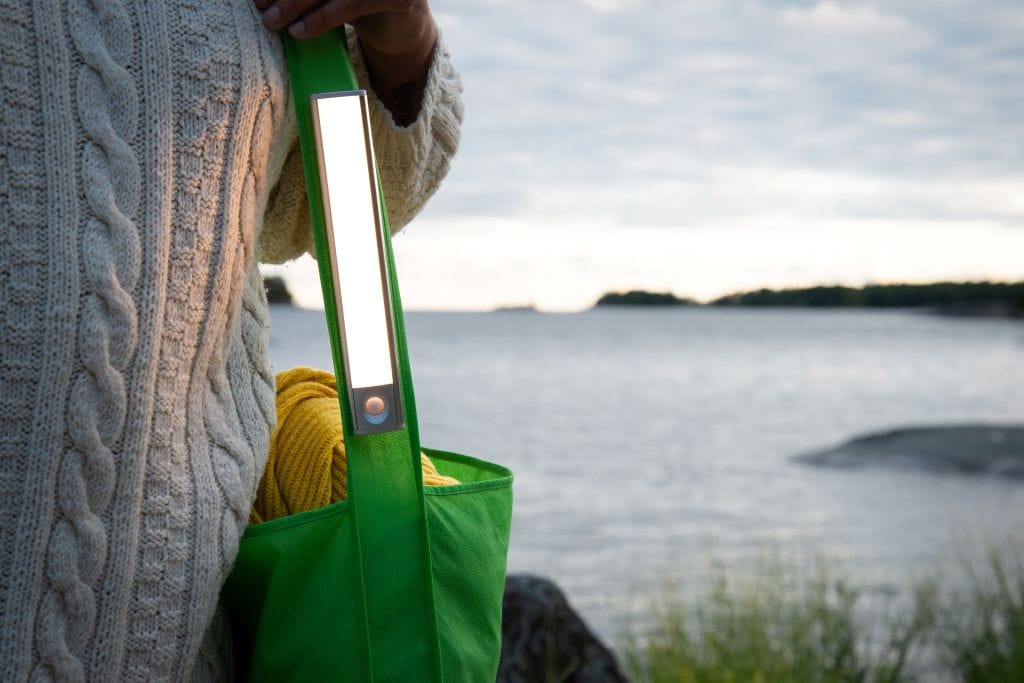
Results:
[399, 582]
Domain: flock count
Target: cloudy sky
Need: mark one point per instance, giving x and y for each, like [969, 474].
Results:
[705, 146]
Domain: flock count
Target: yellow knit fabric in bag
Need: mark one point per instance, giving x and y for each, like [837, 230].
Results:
[306, 466]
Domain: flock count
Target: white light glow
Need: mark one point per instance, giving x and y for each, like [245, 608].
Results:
[350, 190]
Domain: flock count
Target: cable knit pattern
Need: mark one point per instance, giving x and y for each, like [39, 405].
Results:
[22, 180]
[110, 252]
[171, 544]
[25, 283]
[235, 462]
[148, 160]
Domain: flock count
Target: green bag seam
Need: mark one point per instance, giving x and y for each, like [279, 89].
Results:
[296, 519]
[500, 471]
[462, 489]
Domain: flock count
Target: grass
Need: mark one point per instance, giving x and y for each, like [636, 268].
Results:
[777, 625]
[981, 637]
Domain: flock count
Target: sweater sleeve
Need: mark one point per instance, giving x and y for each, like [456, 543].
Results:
[412, 160]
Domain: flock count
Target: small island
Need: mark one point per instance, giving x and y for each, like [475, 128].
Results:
[974, 299]
[516, 308]
[638, 297]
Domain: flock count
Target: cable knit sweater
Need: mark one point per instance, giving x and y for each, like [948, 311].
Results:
[148, 159]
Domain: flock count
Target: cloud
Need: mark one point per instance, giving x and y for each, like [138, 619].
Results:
[829, 37]
[610, 6]
[704, 115]
[717, 64]
[830, 17]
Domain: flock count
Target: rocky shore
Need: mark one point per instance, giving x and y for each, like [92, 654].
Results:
[544, 639]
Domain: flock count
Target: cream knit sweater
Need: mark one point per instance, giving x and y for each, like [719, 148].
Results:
[148, 158]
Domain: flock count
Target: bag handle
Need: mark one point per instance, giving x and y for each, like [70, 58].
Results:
[385, 487]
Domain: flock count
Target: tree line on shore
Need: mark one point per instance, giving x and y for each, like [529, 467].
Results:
[966, 298]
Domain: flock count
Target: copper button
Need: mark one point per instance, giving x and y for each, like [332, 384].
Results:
[374, 405]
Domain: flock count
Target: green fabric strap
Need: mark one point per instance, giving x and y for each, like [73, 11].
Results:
[385, 487]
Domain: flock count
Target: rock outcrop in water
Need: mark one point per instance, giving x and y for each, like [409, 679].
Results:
[277, 290]
[996, 450]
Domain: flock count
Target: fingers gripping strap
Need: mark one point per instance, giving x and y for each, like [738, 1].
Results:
[384, 474]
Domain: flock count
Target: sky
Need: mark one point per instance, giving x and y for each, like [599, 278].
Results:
[708, 146]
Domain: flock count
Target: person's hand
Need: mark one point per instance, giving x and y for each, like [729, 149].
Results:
[397, 37]
[386, 25]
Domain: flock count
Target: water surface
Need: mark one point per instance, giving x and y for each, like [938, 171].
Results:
[646, 441]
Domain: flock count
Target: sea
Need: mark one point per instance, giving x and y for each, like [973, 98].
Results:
[655, 447]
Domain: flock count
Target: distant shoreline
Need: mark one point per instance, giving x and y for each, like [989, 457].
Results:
[967, 299]
[958, 299]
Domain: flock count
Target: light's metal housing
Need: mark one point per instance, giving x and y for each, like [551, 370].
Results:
[359, 268]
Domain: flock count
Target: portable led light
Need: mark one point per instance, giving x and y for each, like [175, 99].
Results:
[352, 214]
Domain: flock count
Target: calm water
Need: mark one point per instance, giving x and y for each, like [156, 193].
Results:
[647, 442]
